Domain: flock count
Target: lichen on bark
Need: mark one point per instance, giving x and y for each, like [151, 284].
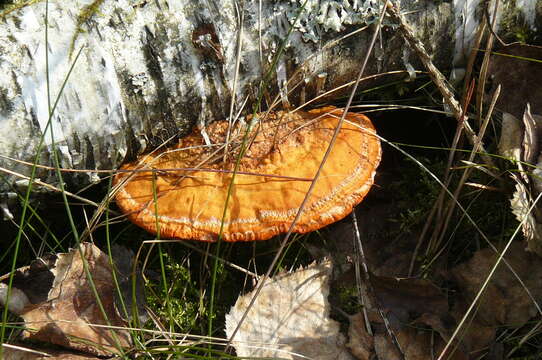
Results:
[148, 71]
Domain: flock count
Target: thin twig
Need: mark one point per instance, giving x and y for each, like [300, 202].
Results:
[362, 287]
[439, 221]
[438, 79]
[48, 186]
[485, 64]
[366, 290]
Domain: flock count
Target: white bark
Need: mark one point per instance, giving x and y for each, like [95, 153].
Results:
[148, 70]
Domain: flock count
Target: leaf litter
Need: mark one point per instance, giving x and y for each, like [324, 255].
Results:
[422, 314]
[291, 317]
[294, 317]
[54, 297]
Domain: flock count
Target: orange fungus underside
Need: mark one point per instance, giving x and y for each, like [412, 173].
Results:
[183, 190]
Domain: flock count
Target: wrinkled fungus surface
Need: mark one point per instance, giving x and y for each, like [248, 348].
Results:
[265, 197]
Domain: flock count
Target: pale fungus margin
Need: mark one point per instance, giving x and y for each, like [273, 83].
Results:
[285, 151]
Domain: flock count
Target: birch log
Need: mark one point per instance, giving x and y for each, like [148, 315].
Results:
[148, 70]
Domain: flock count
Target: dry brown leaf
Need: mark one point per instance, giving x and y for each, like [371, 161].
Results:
[416, 344]
[59, 306]
[418, 316]
[360, 343]
[476, 335]
[290, 319]
[530, 136]
[46, 354]
[416, 341]
[504, 302]
[410, 298]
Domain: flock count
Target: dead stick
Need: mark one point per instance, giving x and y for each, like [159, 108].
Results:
[438, 79]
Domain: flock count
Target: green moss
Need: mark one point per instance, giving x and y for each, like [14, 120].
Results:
[182, 299]
[417, 192]
[349, 300]
[514, 27]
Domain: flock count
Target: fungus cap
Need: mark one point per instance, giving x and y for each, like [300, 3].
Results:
[274, 175]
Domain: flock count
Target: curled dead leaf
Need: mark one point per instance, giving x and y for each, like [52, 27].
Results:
[520, 142]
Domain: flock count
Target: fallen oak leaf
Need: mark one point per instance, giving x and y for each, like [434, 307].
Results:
[477, 336]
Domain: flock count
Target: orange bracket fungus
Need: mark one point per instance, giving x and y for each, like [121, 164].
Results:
[181, 192]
